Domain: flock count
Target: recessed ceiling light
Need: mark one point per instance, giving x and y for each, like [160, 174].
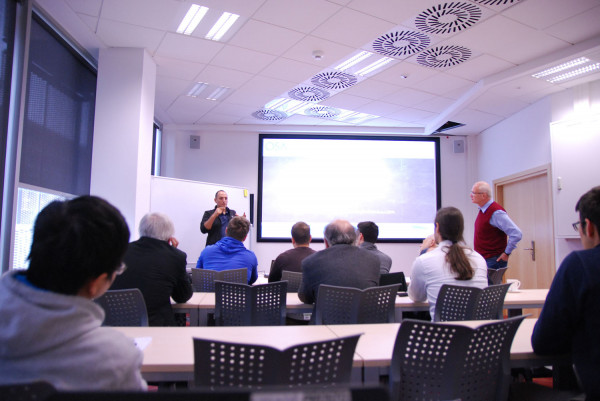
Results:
[568, 70]
[197, 89]
[192, 19]
[220, 28]
[575, 73]
[374, 66]
[217, 93]
[353, 60]
[561, 67]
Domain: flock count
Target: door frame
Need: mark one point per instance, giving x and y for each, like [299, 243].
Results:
[546, 170]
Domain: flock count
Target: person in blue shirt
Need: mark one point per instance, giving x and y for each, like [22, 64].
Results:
[229, 252]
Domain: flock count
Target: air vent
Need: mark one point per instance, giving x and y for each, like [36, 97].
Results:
[403, 43]
[448, 18]
[269, 115]
[444, 56]
[448, 126]
[322, 111]
[495, 2]
[308, 94]
[335, 80]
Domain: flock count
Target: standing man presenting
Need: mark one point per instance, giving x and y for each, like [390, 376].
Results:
[215, 220]
[492, 226]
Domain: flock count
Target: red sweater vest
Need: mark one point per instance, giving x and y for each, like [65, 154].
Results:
[489, 241]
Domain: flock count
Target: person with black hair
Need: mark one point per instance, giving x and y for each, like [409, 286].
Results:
[570, 319]
[451, 262]
[367, 233]
[291, 260]
[50, 325]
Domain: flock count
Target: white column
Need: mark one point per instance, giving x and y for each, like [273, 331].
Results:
[122, 151]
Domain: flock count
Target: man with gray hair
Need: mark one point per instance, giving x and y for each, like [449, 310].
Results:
[341, 263]
[157, 268]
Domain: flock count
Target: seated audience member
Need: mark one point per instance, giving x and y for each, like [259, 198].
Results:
[229, 252]
[50, 326]
[341, 263]
[291, 259]
[367, 233]
[570, 319]
[451, 262]
[157, 268]
[427, 245]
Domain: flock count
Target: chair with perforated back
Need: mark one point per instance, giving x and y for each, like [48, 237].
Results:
[244, 305]
[293, 278]
[495, 275]
[33, 391]
[345, 305]
[441, 361]
[455, 302]
[491, 302]
[219, 365]
[124, 308]
[203, 280]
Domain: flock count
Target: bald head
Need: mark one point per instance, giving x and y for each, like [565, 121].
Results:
[481, 193]
[340, 232]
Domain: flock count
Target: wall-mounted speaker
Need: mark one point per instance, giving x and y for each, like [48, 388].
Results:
[194, 141]
[459, 146]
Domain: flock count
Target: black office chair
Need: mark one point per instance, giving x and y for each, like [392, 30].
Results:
[293, 278]
[495, 276]
[345, 305]
[394, 278]
[455, 302]
[33, 391]
[440, 361]
[124, 308]
[244, 305]
[203, 280]
[491, 303]
[219, 365]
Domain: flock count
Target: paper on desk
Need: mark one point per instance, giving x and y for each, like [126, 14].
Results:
[142, 342]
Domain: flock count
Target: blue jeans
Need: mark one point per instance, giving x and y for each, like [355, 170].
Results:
[492, 264]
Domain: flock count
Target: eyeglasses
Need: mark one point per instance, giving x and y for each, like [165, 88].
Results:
[477, 193]
[121, 269]
[576, 226]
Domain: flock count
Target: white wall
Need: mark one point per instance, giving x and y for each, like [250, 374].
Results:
[522, 141]
[232, 158]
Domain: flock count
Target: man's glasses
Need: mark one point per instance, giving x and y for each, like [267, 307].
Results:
[576, 226]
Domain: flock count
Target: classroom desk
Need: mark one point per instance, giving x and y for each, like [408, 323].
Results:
[170, 354]
[514, 301]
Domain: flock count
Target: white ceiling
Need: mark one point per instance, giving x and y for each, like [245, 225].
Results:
[269, 52]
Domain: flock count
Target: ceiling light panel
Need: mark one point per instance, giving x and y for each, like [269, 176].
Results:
[191, 19]
[223, 24]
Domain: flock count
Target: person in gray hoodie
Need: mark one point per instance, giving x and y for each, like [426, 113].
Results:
[51, 328]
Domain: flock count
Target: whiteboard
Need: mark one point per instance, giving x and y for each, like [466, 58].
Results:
[186, 201]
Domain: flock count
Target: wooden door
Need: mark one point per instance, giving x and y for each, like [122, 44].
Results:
[528, 201]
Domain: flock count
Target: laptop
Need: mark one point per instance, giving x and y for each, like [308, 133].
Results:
[395, 278]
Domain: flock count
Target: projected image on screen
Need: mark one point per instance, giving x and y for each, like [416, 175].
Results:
[392, 181]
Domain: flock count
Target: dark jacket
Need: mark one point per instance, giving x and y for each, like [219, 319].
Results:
[214, 234]
[158, 270]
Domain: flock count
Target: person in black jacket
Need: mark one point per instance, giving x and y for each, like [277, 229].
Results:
[214, 221]
[157, 268]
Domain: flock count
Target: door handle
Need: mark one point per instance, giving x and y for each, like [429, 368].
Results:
[532, 249]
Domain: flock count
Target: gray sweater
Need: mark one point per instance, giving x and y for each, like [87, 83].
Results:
[58, 338]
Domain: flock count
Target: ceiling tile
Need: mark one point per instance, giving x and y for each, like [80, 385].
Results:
[379, 108]
[578, 28]
[541, 14]
[290, 70]
[170, 67]
[221, 76]
[161, 15]
[253, 34]
[393, 11]
[118, 34]
[372, 89]
[187, 48]
[493, 103]
[345, 101]
[332, 52]
[89, 7]
[301, 16]
[241, 59]
[168, 89]
[479, 67]
[442, 83]
[187, 110]
[259, 91]
[408, 97]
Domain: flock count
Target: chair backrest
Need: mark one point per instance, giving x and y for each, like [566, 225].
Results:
[244, 305]
[33, 391]
[319, 363]
[491, 302]
[495, 275]
[345, 305]
[393, 278]
[293, 278]
[124, 308]
[455, 302]
[443, 361]
[203, 280]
